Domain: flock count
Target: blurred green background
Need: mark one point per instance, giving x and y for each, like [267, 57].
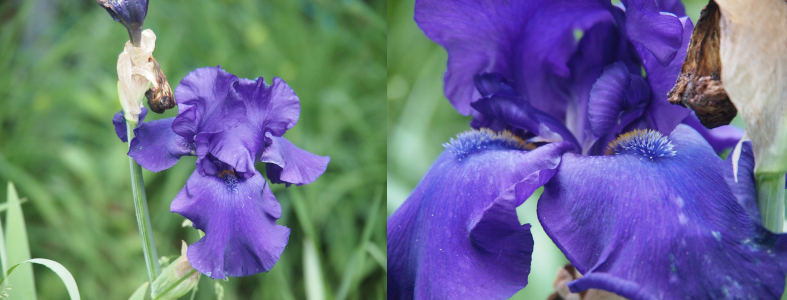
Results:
[57, 144]
[420, 119]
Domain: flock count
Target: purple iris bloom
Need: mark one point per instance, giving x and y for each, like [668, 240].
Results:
[579, 73]
[457, 236]
[563, 70]
[656, 219]
[130, 13]
[229, 124]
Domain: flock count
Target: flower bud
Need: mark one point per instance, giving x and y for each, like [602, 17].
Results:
[166, 286]
[130, 13]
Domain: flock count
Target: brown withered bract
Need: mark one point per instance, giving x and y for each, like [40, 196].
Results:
[160, 96]
[699, 85]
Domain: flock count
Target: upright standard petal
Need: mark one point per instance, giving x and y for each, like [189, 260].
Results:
[269, 110]
[660, 114]
[656, 220]
[205, 104]
[238, 216]
[528, 42]
[272, 108]
[660, 33]
[457, 236]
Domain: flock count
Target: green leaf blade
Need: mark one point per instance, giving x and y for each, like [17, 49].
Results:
[140, 293]
[18, 249]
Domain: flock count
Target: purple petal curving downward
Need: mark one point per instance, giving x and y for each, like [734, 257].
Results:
[238, 216]
[457, 236]
[656, 220]
[286, 163]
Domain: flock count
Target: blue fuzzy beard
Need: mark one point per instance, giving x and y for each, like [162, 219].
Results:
[647, 143]
[472, 141]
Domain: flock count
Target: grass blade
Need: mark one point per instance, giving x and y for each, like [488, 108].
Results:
[18, 250]
[313, 272]
[60, 270]
[140, 293]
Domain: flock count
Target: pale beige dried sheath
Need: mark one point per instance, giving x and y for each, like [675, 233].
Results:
[753, 51]
[136, 72]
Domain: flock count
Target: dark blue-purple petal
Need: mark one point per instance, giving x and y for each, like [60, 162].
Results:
[519, 114]
[156, 147]
[660, 33]
[273, 108]
[720, 138]
[286, 163]
[205, 104]
[529, 42]
[674, 7]
[742, 183]
[658, 221]
[457, 236]
[662, 115]
[235, 147]
[238, 216]
[119, 120]
[616, 99]
[130, 13]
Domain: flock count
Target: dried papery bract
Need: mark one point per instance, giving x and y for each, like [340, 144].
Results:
[699, 86]
[160, 96]
[754, 59]
[137, 70]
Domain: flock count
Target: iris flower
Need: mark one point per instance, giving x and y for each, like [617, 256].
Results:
[229, 124]
[580, 79]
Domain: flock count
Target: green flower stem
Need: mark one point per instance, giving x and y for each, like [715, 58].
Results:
[770, 199]
[141, 208]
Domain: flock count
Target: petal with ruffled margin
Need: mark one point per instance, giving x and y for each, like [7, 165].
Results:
[529, 42]
[205, 105]
[286, 163]
[658, 221]
[238, 217]
[273, 108]
[457, 236]
[660, 33]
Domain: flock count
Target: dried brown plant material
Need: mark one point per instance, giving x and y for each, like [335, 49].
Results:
[754, 58]
[137, 72]
[160, 94]
[699, 85]
[567, 274]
